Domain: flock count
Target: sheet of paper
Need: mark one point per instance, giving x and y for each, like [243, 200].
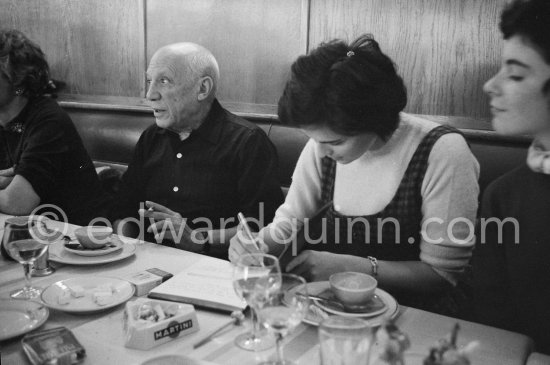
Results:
[208, 282]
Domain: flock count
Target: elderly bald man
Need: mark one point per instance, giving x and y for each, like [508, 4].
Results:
[199, 165]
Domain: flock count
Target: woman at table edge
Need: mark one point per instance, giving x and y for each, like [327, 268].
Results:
[510, 265]
[374, 162]
[42, 157]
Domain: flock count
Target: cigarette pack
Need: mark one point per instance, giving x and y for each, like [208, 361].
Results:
[146, 280]
[53, 346]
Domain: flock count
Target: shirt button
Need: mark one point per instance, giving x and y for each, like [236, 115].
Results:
[179, 155]
[175, 189]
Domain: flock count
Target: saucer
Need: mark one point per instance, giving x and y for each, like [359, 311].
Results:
[113, 245]
[373, 307]
[315, 314]
[58, 253]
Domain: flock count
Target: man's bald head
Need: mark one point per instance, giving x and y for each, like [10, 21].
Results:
[192, 59]
[182, 79]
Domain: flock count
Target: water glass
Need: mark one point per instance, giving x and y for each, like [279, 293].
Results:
[254, 277]
[21, 244]
[284, 311]
[345, 341]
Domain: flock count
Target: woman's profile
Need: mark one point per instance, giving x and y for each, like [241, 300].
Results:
[403, 189]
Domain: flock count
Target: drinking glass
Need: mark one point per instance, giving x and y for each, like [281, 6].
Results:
[284, 310]
[345, 341]
[255, 276]
[23, 246]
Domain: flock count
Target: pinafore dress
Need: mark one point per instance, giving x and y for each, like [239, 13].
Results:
[377, 234]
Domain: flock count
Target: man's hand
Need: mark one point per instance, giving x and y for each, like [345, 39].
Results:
[317, 265]
[171, 225]
[6, 176]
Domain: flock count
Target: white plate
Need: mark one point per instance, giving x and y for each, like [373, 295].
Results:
[59, 254]
[20, 316]
[50, 296]
[114, 245]
[314, 316]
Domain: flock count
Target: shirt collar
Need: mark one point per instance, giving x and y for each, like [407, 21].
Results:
[211, 128]
[17, 124]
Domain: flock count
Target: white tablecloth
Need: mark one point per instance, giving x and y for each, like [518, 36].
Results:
[102, 333]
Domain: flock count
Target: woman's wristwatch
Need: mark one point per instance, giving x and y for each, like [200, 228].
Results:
[374, 265]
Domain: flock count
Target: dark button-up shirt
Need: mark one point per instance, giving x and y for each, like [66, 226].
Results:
[225, 166]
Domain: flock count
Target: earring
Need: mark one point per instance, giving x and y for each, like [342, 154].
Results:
[19, 92]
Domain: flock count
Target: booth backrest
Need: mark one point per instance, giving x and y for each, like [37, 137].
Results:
[110, 137]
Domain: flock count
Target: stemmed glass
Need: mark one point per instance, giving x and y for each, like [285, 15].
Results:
[255, 276]
[24, 246]
[284, 310]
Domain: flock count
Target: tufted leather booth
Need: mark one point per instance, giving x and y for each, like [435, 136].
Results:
[110, 136]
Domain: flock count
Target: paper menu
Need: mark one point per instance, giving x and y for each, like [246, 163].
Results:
[208, 283]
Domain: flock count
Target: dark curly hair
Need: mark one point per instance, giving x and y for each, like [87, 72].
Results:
[529, 19]
[23, 63]
[352, 89]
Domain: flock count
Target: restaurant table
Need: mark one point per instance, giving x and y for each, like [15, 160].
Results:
[102, 333]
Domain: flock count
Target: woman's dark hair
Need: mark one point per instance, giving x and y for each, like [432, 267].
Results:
[23, 63]
[352, 89]
[529, 19]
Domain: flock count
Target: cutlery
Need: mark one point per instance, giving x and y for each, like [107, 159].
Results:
[331, 303]
[78, 246]
[236, 319]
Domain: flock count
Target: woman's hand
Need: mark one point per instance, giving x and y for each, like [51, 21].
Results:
[171, 225]
[241, 244]
[317, 265]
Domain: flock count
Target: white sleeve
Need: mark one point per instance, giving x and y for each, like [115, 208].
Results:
[450, 193]
[303, 198]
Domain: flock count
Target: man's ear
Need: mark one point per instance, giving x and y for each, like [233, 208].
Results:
[206, 88]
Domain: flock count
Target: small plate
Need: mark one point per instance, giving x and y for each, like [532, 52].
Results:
[20, 316]
[373, 307]
[123, 291]
[113, 245]
[58, 253]
[315, 314]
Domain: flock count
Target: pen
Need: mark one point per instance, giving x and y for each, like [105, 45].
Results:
[236, 319]
[242, 220]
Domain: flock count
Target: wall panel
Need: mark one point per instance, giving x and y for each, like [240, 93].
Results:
[445, 49]
[254, 41]
[96, 46]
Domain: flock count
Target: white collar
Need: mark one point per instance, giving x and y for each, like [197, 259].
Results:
[538, 159]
